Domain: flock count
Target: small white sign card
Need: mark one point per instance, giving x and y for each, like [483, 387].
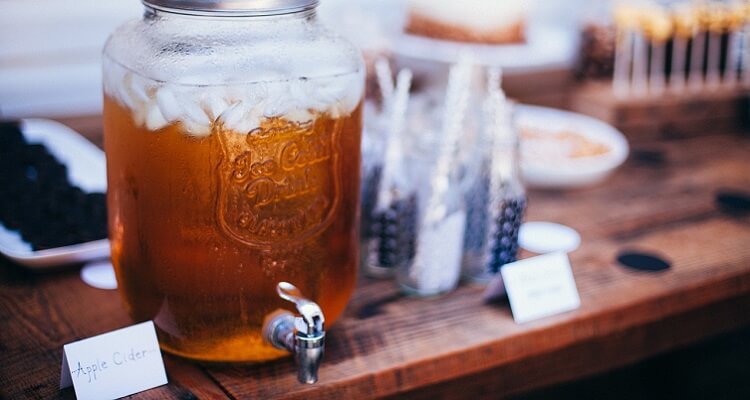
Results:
[114, 364]
[540, 286]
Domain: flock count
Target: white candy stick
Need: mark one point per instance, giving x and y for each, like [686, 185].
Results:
[456, 102]
[437, 223]
[713, 76]
[695, 80]
[494, 80]
[623, 60]
[494, 102]
[656, 80]
[732, 64]
[679, 57]
[639, 84]
[385, 81]
[499, 120]
[393, 173]
[502, 132]
[437, 265]
[400, 101]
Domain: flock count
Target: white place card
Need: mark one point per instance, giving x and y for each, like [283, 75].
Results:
[114, 364]
[540, 286]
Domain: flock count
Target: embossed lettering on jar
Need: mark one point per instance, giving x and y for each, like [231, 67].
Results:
[233, 151]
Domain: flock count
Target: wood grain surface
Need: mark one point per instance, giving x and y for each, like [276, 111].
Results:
[388, 345]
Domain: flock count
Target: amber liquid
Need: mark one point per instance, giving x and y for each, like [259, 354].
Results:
[202, 229]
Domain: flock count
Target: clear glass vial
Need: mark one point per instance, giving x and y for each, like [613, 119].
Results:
[496, 203]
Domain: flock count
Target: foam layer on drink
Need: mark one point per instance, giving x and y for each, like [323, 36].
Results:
[239, 107]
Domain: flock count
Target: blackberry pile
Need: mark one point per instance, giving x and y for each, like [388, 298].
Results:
[396, 231]
[37, 199]
[505, 246]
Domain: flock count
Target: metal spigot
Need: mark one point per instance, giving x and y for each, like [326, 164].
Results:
[302, 335]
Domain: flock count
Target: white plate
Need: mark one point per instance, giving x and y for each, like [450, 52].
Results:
[546, 47]
[548, 237]
[86, 169]
[570, 173]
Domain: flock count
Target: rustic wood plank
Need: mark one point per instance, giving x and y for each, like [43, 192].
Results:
[662, 183]
[39, 313]
[593, 357]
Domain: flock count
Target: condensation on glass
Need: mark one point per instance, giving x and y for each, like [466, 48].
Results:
[232, 135]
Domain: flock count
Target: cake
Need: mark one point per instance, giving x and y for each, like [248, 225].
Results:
[474, 21]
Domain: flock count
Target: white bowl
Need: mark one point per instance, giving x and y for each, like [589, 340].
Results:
[569, 172]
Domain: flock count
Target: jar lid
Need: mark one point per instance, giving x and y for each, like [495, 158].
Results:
[232, 7]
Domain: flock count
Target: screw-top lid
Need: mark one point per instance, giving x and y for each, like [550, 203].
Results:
[232, 7]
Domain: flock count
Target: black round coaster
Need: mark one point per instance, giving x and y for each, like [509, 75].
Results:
[645, 157]
[642, 261]
[733, 202]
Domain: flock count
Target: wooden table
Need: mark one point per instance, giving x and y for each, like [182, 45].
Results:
[662, 200]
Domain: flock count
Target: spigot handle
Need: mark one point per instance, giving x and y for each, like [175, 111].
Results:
[312, 315]
[303, 336]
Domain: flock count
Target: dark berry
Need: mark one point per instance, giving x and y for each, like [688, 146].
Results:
[37, 198]
[505, 246]
[396, 230]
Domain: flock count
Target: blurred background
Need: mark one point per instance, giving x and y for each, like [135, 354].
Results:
[50, 62]
[50, 50]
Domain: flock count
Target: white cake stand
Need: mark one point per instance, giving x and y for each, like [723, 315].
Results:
[546, 47]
